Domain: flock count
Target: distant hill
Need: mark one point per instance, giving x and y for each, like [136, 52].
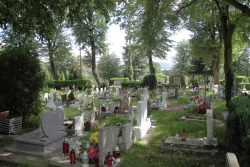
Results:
[165, 66]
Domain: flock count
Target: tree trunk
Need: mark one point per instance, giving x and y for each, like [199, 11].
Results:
[151, 65]
[215, 67]
[94, 70]
[227, 30]
[53, 69]
[93, 50]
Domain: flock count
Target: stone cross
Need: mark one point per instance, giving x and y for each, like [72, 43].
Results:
[209, 126]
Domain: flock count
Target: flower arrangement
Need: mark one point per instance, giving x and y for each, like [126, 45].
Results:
[90, 106]
[93, 150]
[202, 106]
[94, 138]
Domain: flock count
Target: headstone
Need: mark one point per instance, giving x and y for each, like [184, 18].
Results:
[78, 124]
[209, 127]
[127, 139]
[66, 90]
[231, 160]
[208, 100]
[107, 140]
[211, 85]
[117, 92]
[51, 103]
[111, 107]
[52, 122]
[92, 117]
[164, 101]
[43, 141]
[143, 123]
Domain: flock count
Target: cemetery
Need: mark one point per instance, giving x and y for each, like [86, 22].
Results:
[124, 83]
[90, 130]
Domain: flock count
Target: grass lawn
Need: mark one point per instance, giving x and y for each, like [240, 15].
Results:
[141, 154]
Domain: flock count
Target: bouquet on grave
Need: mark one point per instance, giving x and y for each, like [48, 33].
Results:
[90, 106]
[202, 106]
[93, 149]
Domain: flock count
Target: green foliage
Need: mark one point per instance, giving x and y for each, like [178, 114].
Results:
[238, 128]
[239, 103]
[247, 86]
[71, 96]
[113, 121]
[241, 79]
[162, 78]
[149, 81]
[81, 84]
[21, 80]
[111, 80]
[222, 82]
[109, 66]
[131, 84]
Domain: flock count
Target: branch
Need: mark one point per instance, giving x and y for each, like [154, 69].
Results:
[243, 8]
[185, 6]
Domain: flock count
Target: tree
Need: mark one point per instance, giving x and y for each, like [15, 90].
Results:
[153, 35]
[21, 81]
[243, 7]
[241, 65]
[56, 47]
[89, 27]
[29, 17]
[229, 21]
[109, 66]
[182, 57]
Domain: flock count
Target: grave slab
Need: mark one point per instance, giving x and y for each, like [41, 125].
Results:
[192, 146]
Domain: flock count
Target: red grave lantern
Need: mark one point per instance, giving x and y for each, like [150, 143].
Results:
[116, 154]
[65, 146]
[72, 156]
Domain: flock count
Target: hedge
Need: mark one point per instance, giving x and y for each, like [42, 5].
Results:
[241, 79]
[81, 84]
[131, 84]
[111, 80]
[247, 85]
[149, 81]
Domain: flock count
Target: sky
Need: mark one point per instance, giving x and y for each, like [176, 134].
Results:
[116, 41]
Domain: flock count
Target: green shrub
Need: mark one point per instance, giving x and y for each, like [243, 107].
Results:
[81, 84]
[247, 85]
[149, 81]
[131, 84]
[71, 96]
[162, 78]
[241, 79]
[222, 82]
[21, 81]
[111, 80]
[239, 103]
[238, 128]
